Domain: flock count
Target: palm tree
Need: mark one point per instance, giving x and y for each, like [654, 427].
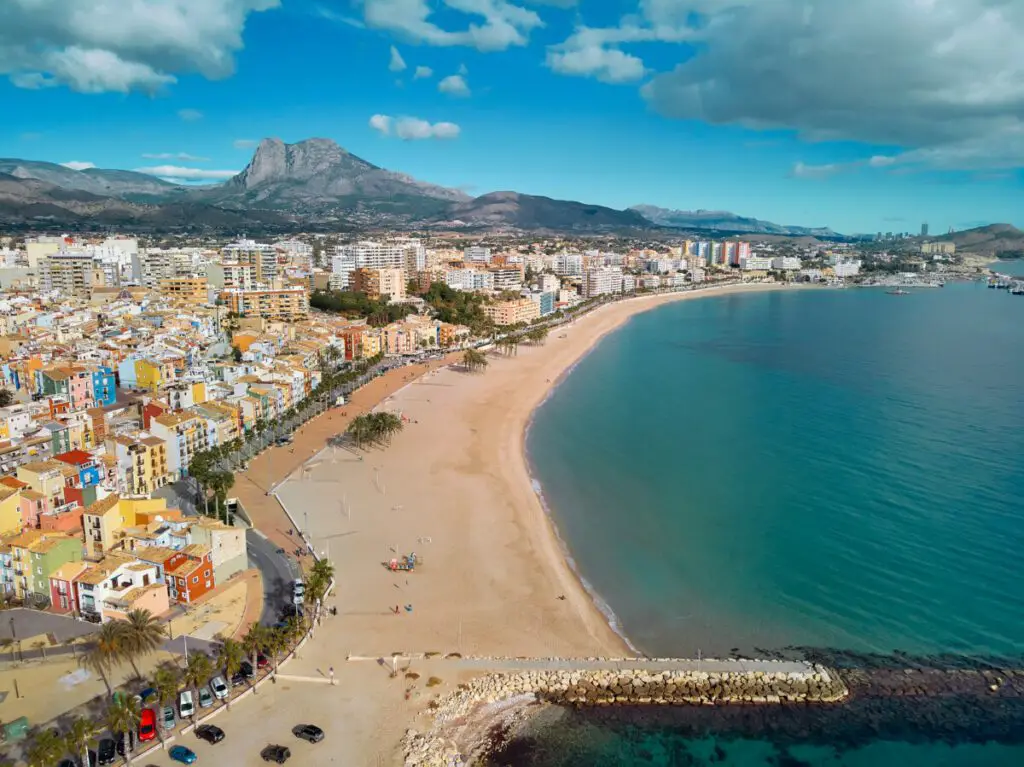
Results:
[166, 682]
[255, 639]
[104, 651]
[474, 360]
[79, 736]
[385, 425]
[278, 644]
[323, 568]
[361, 430]
[123, 717]
[141, 634]
[230, 657]
[47, 747]
[199, 670]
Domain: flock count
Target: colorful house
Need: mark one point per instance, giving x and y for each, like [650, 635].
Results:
[35, 554]
[189, 573]
[104, 386]
[63, 593]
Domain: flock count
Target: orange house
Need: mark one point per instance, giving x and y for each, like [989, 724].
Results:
[189, 573]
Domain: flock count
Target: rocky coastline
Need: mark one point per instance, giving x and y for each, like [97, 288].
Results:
[496, 701]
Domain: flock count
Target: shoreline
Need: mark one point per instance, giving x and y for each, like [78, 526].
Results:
[598, 603]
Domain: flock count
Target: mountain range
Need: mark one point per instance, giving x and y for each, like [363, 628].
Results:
[318, 184]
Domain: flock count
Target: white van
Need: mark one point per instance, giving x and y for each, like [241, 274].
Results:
[185, 706]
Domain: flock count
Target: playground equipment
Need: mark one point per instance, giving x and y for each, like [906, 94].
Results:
[405, 563]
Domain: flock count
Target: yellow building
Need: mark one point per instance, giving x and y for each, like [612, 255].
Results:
[148, 374]
[105, 521]
[192, 291]
[512, 312]
[46, 478]
[10, 510]
[286, 305]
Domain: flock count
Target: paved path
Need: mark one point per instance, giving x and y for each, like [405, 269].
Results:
[22, 623]
[710, 665]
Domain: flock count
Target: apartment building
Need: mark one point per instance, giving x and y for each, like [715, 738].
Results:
[185, 434]
[387, 284]
[70, 274]
[189, 573]
[232, 276]
[286, 305]
[469, 279]
[512, 312]
[597, 282]
[507, 278]
[37, 553]
[191, 291]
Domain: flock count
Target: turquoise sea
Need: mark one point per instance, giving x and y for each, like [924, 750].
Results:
[829, 469]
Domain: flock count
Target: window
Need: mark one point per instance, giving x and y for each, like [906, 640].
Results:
[207, 584]
[206, 573]
[195, 579]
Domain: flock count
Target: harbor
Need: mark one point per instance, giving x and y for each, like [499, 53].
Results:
[1009, 283]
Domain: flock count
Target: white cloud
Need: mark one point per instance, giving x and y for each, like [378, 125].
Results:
[179, 156]
[462, 70]
[381, 124]
[454, 85]
[190, 115]
[945, 80]
[95, 46]
[397, 62]
[77, 165]
[244, 143]
[413, 128]
[423, 72]
[608, 65]
[504, 24]
[802, 170]
[187, 174]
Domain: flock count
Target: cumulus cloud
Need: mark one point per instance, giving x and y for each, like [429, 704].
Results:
[608, 65]
[494, 25]
[187, 174]
[413, 128]
[94, 46]
[78, 165]
[945, 80]
[179, 156]
[190, 115]
[397, 62]
[381, 124]
[423, 72]
[454, 85]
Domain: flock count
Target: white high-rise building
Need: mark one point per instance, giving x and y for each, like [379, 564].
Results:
[477, 253]
[598, 282]
[569, 264]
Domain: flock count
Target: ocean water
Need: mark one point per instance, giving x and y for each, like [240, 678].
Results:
[828, 469]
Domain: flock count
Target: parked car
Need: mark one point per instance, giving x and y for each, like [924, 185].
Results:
[186, 707]
[298, 592]
[279, 754]
[261, 661]
[167, 718]
[291, 611]
[210, 733]
[219, 687]
[147, 725]
[205, 697]
[247, 670]
[237, 679]
[309, 732]
[106, 751]
[182, 754]
[66, 763]
[121, 742]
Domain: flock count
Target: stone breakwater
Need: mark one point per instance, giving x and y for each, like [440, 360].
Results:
[442, 746]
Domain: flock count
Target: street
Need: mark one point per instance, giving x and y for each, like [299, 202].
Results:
[278, 571]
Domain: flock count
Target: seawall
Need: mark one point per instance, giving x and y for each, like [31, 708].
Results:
[611, 687]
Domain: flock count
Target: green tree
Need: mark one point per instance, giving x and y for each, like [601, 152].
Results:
[166, 682]
[255, 640]
[46, 748]
[199, 670]
[81, 733]
[236, 354]
[123, 717]
[474, 360]
[230, 657]
[140, 635]
[104, 652]
[6, 397]
[278, 644]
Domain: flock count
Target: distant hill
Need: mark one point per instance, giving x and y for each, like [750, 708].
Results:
[525, 211]
[110, 183]
[723, 221]
[1002, 240]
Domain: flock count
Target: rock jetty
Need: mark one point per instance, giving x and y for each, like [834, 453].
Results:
[624, 687]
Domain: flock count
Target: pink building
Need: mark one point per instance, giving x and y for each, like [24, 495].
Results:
[63, 591]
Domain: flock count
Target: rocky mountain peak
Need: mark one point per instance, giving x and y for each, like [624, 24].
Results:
[276, 161]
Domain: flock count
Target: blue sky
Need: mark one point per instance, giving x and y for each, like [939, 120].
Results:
[797, 111]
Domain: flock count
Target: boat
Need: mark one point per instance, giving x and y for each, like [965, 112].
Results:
[898, 292]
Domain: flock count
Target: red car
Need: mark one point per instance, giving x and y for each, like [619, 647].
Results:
[261, 661]
[147, 725]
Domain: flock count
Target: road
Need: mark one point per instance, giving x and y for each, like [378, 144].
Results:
[278, 572]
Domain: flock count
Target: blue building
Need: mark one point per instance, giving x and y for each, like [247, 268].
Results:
[546, 302]
[104, 386]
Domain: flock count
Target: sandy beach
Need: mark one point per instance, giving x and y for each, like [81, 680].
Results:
[454, 488]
